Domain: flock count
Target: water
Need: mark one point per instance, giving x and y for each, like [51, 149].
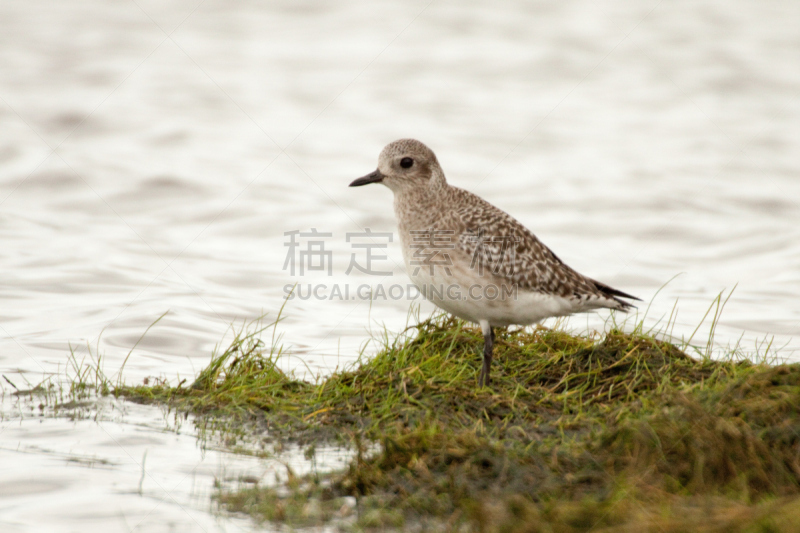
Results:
[152, 158]
[126, 468]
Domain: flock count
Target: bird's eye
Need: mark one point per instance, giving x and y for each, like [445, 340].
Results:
[406, 162]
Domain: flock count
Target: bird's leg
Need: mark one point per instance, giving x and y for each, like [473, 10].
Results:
[484, 379]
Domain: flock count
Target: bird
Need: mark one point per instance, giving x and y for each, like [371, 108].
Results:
[473, 259]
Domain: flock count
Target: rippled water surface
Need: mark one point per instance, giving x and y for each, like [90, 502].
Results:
[152, 159]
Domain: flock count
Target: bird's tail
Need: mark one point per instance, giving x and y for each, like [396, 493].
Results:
[618, 296]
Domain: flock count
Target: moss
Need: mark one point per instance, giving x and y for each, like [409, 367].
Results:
[576, 434]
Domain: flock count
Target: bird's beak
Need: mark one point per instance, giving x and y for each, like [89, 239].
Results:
[374, 177]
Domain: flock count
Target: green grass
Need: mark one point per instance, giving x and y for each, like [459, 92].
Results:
[607, 433]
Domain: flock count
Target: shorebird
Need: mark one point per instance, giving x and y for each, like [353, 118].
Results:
[473, 259]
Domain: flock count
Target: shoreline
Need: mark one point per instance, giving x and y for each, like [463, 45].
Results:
[612, 431]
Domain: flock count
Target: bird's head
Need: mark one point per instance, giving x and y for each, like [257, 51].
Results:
[404, 165]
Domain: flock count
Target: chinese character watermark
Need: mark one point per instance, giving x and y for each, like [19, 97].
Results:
[428, 245]
[428, 249]
[497, 253]
[315, 250]
[369, 247]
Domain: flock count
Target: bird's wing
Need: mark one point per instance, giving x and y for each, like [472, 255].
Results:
[498, 243]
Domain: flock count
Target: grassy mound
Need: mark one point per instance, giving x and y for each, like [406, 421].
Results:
[576, 434]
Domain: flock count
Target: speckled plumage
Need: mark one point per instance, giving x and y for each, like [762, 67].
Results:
[453, 238]
[518, 256]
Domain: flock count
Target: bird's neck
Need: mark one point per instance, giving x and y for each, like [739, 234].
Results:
[419, 208]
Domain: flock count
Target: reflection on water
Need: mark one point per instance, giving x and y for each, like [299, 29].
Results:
[154, 156]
